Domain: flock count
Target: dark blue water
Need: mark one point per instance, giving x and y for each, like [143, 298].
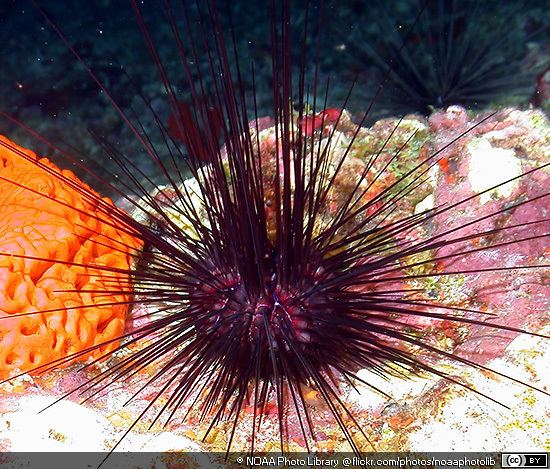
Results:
[428, 57]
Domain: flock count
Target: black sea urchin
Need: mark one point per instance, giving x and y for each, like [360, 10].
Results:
[294, 258]
[459, 52]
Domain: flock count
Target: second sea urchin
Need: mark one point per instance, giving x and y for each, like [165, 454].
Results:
[457, 53]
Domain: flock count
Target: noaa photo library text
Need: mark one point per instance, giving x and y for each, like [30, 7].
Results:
[356, 461]
[306, 461]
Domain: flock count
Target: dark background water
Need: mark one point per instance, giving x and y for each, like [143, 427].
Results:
[44, 86]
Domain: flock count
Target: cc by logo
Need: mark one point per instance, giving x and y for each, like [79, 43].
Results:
[530, 460]
[515, 460]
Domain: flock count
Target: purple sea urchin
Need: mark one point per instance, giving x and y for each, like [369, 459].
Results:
[292, 261]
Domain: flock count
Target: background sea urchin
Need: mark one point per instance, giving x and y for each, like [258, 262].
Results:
[455, 52]
[309, 253]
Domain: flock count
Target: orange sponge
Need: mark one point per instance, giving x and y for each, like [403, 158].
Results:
[56, 250]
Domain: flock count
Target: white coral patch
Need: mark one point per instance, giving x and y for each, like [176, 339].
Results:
[367, 397]
[469, 422]
[65, 426]
[490, 166]
[426, 204]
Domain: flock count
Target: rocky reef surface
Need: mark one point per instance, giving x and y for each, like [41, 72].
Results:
[425, 413]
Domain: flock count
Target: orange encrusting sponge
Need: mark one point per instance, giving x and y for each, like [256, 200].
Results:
[57, 236]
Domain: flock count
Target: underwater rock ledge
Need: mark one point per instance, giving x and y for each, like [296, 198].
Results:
[426, 413]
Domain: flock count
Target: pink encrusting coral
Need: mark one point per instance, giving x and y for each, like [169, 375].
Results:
[61, 259]
[508, 145]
